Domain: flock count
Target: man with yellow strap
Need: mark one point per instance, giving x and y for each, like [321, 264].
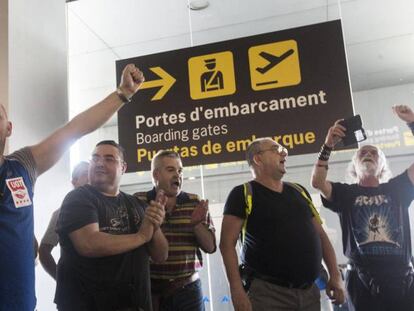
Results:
[283, 243]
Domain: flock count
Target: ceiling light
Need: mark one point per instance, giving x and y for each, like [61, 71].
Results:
[198, 4]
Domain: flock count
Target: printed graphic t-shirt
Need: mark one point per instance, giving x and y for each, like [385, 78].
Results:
[374, 220]
[101, 283]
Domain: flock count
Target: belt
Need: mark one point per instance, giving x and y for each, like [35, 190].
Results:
[167, 288]
[281, 282]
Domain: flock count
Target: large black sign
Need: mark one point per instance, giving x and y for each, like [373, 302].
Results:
[208, 102]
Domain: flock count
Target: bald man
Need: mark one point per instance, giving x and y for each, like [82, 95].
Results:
[18, 173]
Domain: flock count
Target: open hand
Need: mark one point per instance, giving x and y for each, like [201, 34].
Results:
[200, 213]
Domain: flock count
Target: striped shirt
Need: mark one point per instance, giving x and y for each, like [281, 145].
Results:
[184, 255]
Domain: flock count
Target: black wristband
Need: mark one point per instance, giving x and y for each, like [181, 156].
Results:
[323, 165]
[122, 96]
[324, 153]
[411, 126]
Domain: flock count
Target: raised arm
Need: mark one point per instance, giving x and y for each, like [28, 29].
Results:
[320, 170]
[230, 231]
[406, 114]
[49, 151]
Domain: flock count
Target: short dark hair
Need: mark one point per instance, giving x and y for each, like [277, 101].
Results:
[113, 143]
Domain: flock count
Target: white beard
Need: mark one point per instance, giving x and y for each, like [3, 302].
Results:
[367, 168]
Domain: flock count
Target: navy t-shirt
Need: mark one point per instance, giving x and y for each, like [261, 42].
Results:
[281, 240]
[374, 220]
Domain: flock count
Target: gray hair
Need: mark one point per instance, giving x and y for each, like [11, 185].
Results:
[155, 163]
[253, 148]
[78, 169]
[385, 173]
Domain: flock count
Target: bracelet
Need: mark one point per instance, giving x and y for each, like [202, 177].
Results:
[324, 153]
[411, 126]
[122, 96]
[323, 165]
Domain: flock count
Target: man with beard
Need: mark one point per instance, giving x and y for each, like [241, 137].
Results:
[283, 242]
[188, 228]
[374, 221]
[107, 237]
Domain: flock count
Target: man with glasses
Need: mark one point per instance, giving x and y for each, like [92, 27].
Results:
[189, 229]
[375, 223]
[283, 243]
[18, 173]
[107, 237]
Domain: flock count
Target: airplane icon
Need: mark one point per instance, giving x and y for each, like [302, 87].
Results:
[273, 60]
[274, 65]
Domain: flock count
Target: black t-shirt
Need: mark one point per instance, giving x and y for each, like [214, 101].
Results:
[104, 283]
[281, 240]
[374, 220]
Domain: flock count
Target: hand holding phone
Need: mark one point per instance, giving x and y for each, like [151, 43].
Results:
[354, 130]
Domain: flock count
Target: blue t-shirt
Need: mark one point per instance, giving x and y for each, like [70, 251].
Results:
[17, 285]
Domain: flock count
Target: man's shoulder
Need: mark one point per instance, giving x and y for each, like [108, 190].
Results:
[402, 177]
[81, 194]
[23, 160]
[135, 199]
[146, 196]
[186, 197]
[239, 189]
[85, 189]
[295, 185]
[55, 213]
[142, 195]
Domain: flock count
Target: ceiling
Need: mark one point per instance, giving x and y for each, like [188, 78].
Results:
[379, 35]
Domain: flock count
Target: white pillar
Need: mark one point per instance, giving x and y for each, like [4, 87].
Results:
[4, 54]
[38, 103]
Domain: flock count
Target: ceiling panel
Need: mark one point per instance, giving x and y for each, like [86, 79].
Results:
[370, 20]
[81, 39]
[378, 33]
[123, 22]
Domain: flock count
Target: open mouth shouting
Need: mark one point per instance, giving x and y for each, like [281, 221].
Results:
[176, 184]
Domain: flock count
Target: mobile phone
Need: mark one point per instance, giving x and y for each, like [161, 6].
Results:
[354, 131]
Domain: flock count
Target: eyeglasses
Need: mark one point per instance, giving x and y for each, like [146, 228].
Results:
[279, 149]
[364, 152]
[110, 160]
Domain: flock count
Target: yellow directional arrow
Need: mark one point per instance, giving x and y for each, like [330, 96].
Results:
[166, 82]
